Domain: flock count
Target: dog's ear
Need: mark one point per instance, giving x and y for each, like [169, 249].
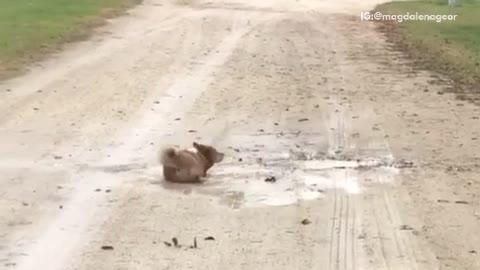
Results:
[195, 144]
[219, 157]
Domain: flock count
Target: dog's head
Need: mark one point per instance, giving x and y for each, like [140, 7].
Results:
[209, 152]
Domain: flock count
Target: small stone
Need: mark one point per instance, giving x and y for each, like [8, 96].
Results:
[107, 247]
[271, 179]
[175, 242]
[461, 202]
[194, 243]
[306, 221]
[406, 228]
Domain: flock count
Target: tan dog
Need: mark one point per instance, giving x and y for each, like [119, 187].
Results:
[189, 165]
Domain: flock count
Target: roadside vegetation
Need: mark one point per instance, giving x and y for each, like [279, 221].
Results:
[451, 48]
[30, 29]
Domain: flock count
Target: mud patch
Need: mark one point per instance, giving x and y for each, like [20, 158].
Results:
[297, 180]
[298, 177]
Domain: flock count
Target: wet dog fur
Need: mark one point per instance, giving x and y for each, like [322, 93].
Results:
[189, 165]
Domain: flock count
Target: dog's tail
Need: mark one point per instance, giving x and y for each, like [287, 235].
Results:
[167, 157]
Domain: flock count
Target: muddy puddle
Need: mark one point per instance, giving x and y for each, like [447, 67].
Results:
[287, 178]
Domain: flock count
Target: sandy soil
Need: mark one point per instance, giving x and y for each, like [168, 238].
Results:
[381, 163]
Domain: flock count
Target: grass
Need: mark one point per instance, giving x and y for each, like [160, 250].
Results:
[30, 29]
[451, 48]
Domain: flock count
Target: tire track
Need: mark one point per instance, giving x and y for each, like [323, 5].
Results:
[380, 238]
[352, 250]
[339, 234]
[347, 219]
[393, 247]
[332, 230]
[342, 233]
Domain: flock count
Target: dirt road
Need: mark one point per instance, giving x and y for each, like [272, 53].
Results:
[382, 164]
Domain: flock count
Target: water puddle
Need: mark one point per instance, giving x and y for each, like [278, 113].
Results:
[282, 180]
[295, 181]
